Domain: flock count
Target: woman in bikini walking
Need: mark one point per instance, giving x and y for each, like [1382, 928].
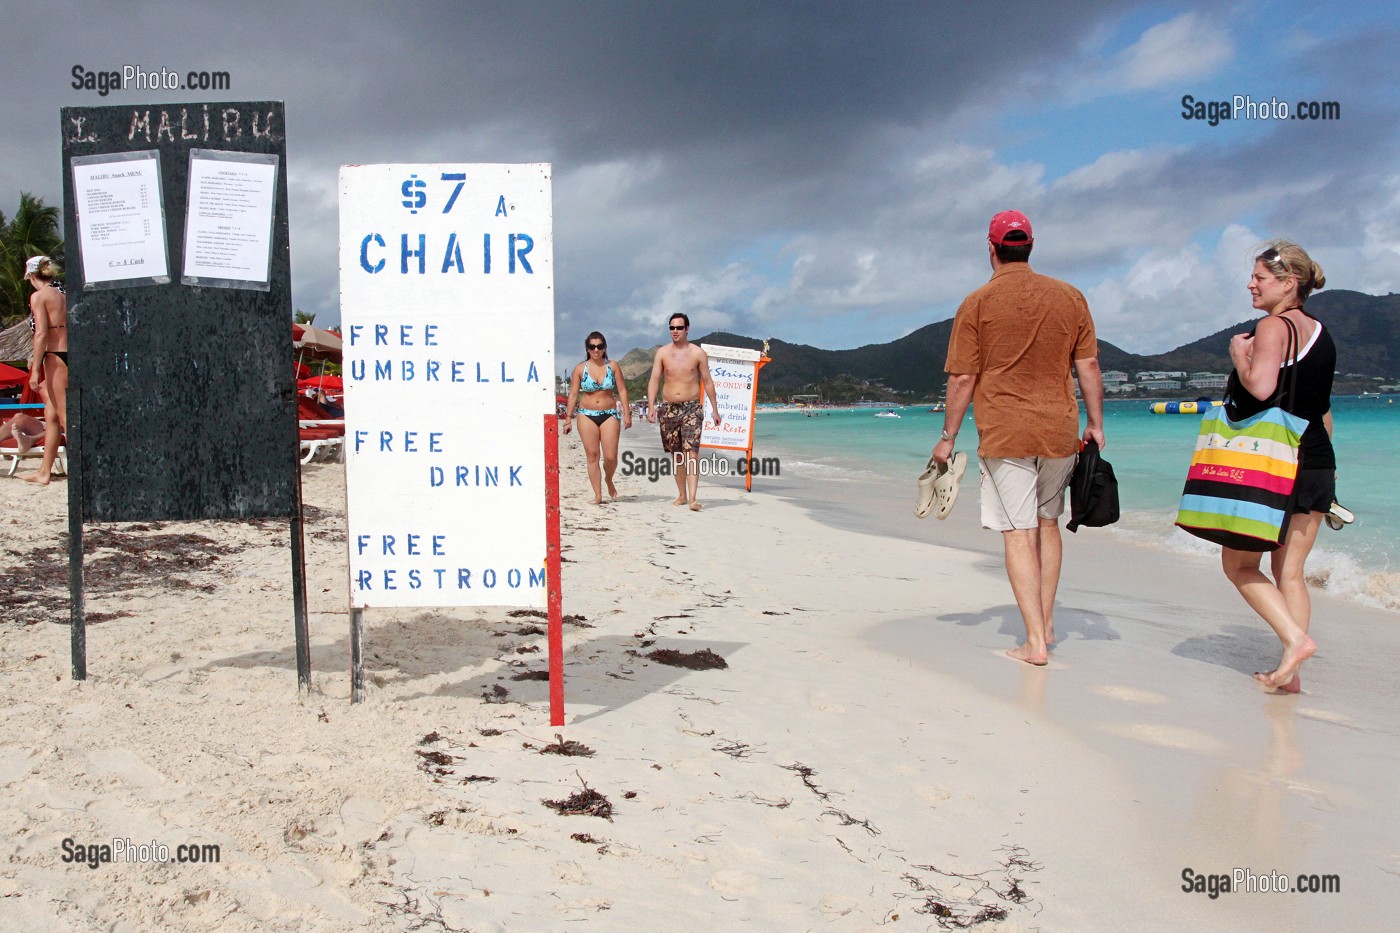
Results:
[602, 412]
[50, 324]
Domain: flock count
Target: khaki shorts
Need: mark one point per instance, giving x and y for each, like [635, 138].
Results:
[1017, 491]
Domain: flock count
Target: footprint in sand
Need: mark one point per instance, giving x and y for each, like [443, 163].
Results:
[1336, 719]
[589, 905]
[569, 872]
[360, 819]
[1170, 737]
[14, 764]
[822, 703]
[126, 767]
[734, 882]
[837, 905]
[933, 794]
[1319, 797]
[1130, 694]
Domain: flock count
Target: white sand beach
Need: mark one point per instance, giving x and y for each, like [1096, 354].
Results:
[867, 760]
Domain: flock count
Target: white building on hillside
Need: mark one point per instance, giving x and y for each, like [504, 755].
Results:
[1207, 381]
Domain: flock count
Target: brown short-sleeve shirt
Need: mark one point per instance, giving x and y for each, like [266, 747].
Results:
[1020, 334]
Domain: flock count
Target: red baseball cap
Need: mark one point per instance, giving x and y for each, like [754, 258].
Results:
[1004, 223]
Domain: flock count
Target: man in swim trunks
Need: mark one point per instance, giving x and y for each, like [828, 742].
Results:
[686, 371]
[1014, 342]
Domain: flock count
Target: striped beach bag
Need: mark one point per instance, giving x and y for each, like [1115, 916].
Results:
[1240, 485]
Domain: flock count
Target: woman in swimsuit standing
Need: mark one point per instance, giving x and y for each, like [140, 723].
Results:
[603, 413]
[50, 325]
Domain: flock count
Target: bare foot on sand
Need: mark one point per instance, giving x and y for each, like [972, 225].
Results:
[40, 479]
[680, 500]
[1050, 634]
[695, 506]
[1293, 657]
[597, 500]
[612, 490]
[1025, 653]
[1293, 686]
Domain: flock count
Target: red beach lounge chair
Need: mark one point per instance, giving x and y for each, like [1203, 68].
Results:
[9, 448]
[318, 432]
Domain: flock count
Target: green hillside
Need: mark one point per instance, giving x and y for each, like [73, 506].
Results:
[1366, 329]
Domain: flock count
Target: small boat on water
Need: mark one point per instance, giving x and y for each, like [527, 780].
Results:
[937, 407]
[887, 414]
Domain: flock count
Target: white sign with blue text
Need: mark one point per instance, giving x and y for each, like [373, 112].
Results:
[733, 371]
[447, 313]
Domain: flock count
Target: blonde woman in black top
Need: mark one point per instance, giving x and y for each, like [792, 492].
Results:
[1283, 278]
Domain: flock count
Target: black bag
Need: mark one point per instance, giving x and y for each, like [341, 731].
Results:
[1093, 491]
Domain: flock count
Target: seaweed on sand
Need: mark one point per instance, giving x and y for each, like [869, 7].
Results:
[567, 747]
[117, 560]
[586, 802]
[702, 660]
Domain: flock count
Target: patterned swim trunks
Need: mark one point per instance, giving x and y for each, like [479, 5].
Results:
[680, 425]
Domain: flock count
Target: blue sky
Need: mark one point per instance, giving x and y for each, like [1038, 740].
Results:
[817, 172]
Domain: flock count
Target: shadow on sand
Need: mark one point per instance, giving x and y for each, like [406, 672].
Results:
[607, 671]
[1069, 622]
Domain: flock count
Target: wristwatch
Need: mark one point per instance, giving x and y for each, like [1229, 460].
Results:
[946, 436]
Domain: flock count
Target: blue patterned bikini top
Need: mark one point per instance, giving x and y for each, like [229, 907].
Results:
[589, 384]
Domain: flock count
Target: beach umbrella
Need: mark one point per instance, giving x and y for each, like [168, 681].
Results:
[17, 342]
[314, 343]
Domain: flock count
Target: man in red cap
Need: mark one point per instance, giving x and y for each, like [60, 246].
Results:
[1013, 345]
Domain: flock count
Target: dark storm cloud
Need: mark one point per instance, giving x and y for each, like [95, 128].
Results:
[790, 168]
[616, 77]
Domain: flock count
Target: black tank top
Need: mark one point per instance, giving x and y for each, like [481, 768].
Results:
[1311, 399]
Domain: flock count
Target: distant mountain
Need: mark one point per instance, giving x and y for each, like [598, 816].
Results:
[1366, 329]
[913, 363]
[637, 362]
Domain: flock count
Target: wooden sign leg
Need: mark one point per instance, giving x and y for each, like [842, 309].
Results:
[299, 612]
[357, 655]
[552, 570]
[77, 610]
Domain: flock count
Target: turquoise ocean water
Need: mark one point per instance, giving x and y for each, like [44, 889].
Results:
[1150, 454]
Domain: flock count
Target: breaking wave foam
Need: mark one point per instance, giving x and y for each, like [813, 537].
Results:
[1331, 570]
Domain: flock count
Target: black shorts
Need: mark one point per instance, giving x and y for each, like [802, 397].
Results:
[1314, 491]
